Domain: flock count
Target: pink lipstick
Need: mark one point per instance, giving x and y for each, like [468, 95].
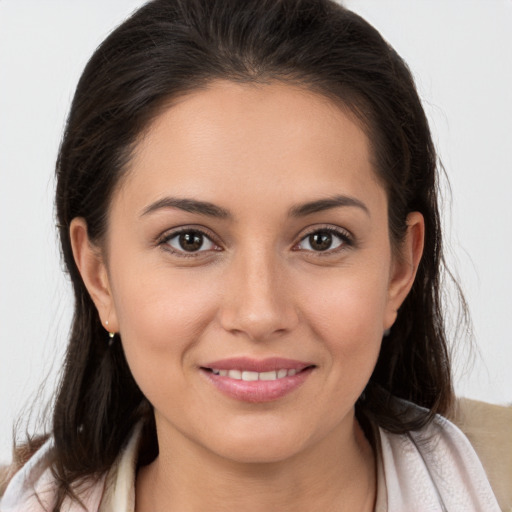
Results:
[256, 381]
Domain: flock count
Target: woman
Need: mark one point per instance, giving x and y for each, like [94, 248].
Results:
[247, 208]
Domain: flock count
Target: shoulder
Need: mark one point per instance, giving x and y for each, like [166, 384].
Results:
[489, 430]
[35, 488]
[33, 477]
[21, 455]
[437, 466]
[5, 476]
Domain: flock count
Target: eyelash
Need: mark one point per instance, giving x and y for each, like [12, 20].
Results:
[164, 240]
[344, 236]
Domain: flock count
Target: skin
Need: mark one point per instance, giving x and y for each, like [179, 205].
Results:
[258, 289]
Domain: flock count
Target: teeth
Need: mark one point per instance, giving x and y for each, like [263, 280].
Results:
[249, 375]
[253, 376]
[235, 374]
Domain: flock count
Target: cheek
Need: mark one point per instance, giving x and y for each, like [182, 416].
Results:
[162, 313]
[347, 311]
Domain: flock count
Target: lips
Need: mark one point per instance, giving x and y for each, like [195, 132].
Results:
[250, 376]
[257, 365]
[253, 381]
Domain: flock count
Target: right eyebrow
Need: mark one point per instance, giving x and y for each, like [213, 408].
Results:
[188, 205]
[302, 210]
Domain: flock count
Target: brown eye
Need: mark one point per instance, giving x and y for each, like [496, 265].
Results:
[190, 241]
[320, 241]
[323, 240]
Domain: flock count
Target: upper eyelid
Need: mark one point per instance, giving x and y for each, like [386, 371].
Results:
[172, 232]
[325, 227]
[344, 234]
[162, 242]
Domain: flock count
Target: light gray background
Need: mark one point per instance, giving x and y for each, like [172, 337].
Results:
[460, 52]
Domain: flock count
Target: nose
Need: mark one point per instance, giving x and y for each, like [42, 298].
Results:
[258, 299]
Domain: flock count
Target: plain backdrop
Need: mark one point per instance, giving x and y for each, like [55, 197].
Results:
[460, 52]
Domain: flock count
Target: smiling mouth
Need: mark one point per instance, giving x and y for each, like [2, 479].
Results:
[251, 376]
[251, 380]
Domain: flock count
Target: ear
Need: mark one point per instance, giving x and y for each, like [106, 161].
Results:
[92, 268]
[405, 266]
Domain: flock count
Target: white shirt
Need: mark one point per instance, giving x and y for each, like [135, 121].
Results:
[434, 469]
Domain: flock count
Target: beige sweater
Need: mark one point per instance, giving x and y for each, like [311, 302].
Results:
[489, 429]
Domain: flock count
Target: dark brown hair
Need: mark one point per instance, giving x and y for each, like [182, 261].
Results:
[170, 47]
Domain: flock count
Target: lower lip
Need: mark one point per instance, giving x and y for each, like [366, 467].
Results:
[258, 391]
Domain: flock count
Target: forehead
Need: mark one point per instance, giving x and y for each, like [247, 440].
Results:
[251, 139]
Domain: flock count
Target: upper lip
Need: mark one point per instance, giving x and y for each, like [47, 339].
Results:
[257, 365]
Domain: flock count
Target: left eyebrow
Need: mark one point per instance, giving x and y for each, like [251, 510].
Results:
[188, 205]
[320, 205]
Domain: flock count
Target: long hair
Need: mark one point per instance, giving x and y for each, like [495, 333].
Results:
[171, 47]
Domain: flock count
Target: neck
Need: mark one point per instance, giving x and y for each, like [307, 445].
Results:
[336, 474]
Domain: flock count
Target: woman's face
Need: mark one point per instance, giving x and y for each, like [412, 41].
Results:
[249, 270]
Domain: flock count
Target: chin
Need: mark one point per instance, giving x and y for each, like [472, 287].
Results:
[263, 447]
[262, 454]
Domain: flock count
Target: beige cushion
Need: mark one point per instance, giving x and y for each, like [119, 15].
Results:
[489, 429]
